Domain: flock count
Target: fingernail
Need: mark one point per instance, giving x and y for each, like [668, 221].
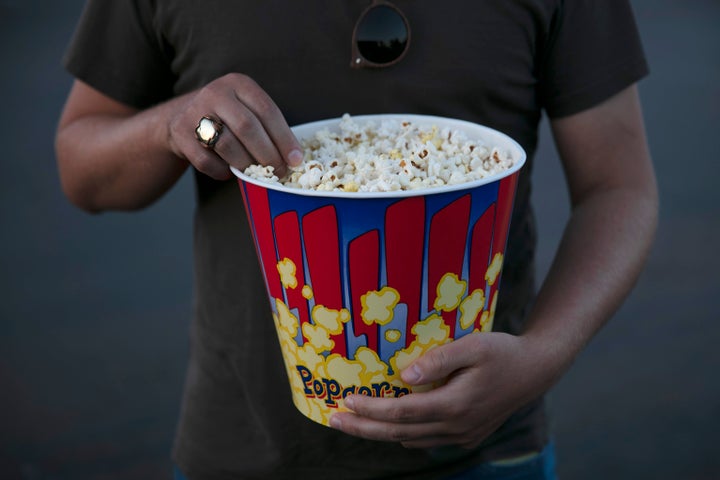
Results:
[295, 157]
[412, 374]
[335, 422]
[349, 402]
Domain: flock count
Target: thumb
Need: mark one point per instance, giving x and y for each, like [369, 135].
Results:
[438, 363]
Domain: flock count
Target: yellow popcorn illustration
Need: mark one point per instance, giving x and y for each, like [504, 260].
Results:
[494, 269]
[345, 371]
[320, 379]
[362, 285]
[286, 269]
[307, 292]
[318, 336]
[286, 320]
[431, 331]
[450, 290]
[470, 307]
[485, 322]
[331, 320]
[403, 358]
[370, 362]
[308, 356]
[378, 306]
[393, 335]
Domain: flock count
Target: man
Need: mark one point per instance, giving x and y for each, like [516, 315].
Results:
[147, 72]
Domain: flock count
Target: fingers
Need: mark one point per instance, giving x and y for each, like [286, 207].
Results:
[251, 132]
[394, 419]
[255, 130]
[425, 407]
[464, 438]
[440, 362]
[370, 429]
[476, 397]
[417, 420]
[203, 159]
[273, 122]
[230, 151]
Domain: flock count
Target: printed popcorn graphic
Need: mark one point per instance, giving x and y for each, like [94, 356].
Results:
[361, 288]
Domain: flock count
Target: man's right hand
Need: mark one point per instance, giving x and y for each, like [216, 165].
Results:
[255, 130]
[112, 156]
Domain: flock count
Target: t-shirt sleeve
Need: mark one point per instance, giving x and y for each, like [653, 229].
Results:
[115, 50]
[594, 51]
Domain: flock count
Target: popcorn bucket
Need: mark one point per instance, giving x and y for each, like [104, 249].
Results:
[362, 284]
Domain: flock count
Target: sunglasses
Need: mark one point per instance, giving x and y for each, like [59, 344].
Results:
[381, 36]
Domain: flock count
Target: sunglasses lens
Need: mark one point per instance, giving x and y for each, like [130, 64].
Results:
[382, 35]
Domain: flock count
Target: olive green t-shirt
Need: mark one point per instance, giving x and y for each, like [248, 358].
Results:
[501, 63]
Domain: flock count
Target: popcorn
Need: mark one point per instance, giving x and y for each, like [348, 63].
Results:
[394, 155]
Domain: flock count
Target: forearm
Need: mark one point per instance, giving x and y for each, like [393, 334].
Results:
[113, 157]
[601, 254]
[118, 160]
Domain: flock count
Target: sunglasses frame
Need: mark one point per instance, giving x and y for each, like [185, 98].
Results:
[357, 60]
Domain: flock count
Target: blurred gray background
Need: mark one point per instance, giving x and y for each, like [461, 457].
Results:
[94, 310]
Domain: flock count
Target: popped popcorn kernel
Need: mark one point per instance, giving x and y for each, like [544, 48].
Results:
[392, 155]
[351, 187]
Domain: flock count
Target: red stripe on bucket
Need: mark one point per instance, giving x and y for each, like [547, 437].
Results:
[257, 199]
[320, 234]
[446, 250]
[480, 242]
[287, 232]
[505, 200]
[364, 265]
[404, 237]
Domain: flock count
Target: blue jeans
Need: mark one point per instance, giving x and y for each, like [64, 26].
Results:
[535, 467]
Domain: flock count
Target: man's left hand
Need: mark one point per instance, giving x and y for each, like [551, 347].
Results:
[485, 378]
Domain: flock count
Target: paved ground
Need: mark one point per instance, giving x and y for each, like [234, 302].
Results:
[94, 310]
